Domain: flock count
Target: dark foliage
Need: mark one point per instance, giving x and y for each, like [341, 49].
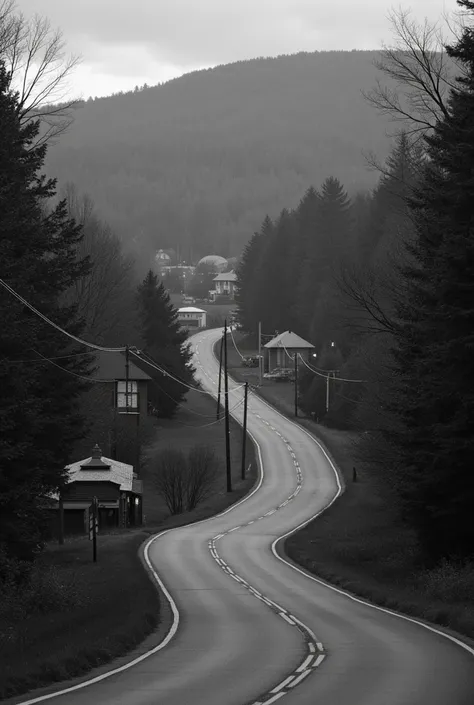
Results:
[39, 418]
[165, 342]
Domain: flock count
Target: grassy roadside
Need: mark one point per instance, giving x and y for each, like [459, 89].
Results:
[359, 543]
[85, 614]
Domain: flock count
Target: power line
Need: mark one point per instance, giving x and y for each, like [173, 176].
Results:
[54, 325]
[339, 379]
[46, 359]
[235, 344]
[75, 374]
[140, 355]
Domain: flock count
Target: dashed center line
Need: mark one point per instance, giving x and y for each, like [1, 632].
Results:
[311, 660]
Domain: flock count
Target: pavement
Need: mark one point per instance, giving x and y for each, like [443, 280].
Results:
[251, 628]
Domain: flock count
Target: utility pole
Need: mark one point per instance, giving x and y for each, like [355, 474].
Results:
[244, 437]
[127, 375]
[260, 353]
[227, 429]
[220, 380]
[296, 383]
[327, 389]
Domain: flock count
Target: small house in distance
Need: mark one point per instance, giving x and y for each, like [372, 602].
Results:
[116, 487]
[224, 285]
[280, 351]
[191, 318]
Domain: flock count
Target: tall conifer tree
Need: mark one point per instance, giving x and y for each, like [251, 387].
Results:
[39, 419]
[434, 400]
[166, 342]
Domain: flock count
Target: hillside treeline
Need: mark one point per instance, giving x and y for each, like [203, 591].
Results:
[383, 286]
[195, 163]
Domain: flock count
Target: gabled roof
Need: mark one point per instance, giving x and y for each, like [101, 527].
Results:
[288, 340]
[226, 277]
[119, 473]
[111, 366]
[190, 309]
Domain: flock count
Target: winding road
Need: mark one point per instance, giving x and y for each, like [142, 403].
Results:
[249, 627]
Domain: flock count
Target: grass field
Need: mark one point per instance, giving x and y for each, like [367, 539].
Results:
[86, 614]
[359, 543]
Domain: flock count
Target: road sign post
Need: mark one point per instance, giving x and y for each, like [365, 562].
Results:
[94, 527]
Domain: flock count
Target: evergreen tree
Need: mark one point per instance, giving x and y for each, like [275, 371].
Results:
[39, 418]
[251, 277]
[434, 396]
[165, 342]
[274, 282]
[307, 261]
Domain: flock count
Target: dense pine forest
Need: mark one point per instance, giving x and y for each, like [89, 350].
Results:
[382, 285]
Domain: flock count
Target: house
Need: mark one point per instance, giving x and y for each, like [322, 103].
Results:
[115, 417]
[224, 284]
[191, 317]
[280, 351]
[116, 487]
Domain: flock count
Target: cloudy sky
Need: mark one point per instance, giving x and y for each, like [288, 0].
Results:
[124, 43]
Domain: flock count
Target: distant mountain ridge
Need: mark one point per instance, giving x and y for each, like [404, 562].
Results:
[197, 162]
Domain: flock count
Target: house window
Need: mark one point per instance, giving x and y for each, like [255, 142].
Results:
[130, 400]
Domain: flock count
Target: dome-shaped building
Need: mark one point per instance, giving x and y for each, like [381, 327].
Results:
[220, 263]
[162, 258]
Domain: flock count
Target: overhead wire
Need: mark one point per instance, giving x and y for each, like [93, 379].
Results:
[339, 379]
[55, 325]
[70, 372]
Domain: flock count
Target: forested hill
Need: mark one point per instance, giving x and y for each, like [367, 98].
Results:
[198, 161]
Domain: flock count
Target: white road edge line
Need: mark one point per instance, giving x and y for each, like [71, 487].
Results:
[359, 600]
[174, 626]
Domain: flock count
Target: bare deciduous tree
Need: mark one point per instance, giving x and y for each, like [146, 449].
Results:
[203, 467]
[185, 482]
[422, 71]
[34, 54]
[105, 295]
[169, 478]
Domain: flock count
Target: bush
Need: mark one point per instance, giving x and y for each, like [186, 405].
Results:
[185, 482]
[203, 467]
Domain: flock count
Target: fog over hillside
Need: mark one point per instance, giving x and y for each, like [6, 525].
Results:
[197, 162]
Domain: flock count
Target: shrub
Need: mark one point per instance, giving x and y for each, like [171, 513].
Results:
[203, 466]
[170, 478]
[185, 482]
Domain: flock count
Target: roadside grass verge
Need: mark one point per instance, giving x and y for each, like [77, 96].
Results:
[87, 614]
[359, 543]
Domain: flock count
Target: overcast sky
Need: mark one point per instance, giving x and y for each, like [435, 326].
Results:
[131, 42]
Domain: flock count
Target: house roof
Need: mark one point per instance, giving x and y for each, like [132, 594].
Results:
[288, 339]
[111, 365]
[226, 277]
[119, 473]
[191, 309]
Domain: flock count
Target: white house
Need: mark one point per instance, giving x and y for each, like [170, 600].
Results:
[191, 317]
[224, 284]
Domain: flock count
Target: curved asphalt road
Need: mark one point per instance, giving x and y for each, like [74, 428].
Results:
[268, 627]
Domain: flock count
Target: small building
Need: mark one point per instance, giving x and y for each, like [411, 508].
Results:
[224, 284]
[280, 351]
[191, 317]
[116, 487]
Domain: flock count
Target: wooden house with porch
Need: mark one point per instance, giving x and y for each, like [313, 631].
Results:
[116, 487]
[280, 351]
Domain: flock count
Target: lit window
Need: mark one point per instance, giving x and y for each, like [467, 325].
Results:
[130, 400]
